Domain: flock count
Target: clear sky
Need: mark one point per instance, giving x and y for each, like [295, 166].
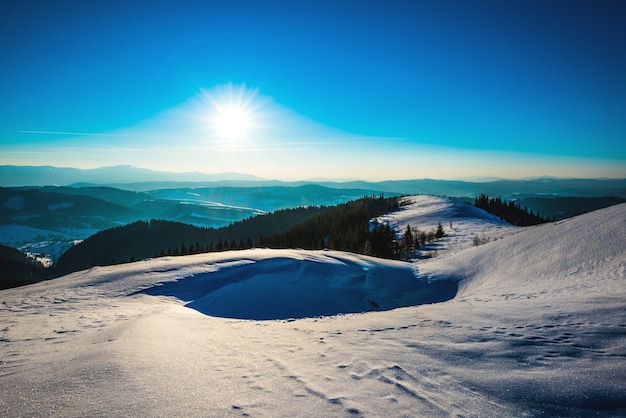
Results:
[334, 89]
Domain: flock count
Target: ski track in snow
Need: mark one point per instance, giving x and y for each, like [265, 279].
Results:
[538, 327]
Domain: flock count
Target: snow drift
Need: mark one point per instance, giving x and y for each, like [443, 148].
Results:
[280, 284]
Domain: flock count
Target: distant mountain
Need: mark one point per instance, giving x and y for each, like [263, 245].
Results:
[17, 176]
[508, 188]
[140, 179]
[567, 207]
[51, 210]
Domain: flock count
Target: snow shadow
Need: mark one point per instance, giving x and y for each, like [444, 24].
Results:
[284, 288]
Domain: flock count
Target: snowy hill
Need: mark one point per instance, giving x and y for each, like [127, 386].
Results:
[538, 327]
[461, 222]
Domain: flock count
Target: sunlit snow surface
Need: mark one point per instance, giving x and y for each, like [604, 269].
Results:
[538, 327]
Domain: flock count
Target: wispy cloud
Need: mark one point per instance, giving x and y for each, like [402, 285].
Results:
[76, 133]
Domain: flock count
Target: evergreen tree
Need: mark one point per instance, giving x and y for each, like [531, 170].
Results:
[407, 243]
[511, 211]
[440, 232]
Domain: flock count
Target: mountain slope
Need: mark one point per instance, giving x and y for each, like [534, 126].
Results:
[538, 328]
[52, 210]
[306, 225]
[16, 269]
[553, 257]
[461, 223]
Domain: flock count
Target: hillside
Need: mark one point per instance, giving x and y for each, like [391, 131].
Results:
[46, 221]
[16, 269]
[48, 209]
[157, 238]
[536, 328]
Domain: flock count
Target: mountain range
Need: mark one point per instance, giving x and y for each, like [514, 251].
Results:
[45, 210]
[139, 179]
[16, 176]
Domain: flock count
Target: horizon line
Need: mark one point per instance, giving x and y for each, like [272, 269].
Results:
[256, 178]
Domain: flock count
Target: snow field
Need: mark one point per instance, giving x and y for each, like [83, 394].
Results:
[538, 327]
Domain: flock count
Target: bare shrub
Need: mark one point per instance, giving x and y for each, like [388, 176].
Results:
[481, 239]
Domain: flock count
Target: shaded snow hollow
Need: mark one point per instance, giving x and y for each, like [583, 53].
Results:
[538, 327]
[266, 284]
[299, 284]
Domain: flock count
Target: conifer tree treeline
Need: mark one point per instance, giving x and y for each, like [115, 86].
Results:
[414, 238]
[510, 211]
[343, 227]
[18, 269]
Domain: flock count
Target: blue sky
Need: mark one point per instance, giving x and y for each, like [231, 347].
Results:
[341, 89]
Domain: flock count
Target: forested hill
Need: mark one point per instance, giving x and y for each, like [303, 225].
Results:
[327, 226]
[17, 269]
[511, 211]
[344, 227]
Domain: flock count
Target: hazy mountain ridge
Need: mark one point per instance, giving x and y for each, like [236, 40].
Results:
[16, 176]
[52, 210]
[139, 179]
[265, 198]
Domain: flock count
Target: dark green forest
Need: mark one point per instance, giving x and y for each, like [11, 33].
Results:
[17, 269]
[343, 227]
[510, 211]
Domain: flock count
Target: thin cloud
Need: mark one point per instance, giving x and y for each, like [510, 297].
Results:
[77, 133]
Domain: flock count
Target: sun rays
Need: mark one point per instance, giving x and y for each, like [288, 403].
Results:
[234, 114]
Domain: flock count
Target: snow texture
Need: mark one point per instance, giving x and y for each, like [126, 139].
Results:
[538, 327]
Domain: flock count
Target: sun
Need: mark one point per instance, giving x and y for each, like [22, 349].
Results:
[233, 113]
[232, 122]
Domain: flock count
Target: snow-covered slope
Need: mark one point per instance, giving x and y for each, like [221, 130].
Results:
[461, 222]
[538, 328]
[43, 245]
[586, 252]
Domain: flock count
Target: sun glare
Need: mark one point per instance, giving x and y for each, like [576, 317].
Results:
[234, 114]
[232, 122]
